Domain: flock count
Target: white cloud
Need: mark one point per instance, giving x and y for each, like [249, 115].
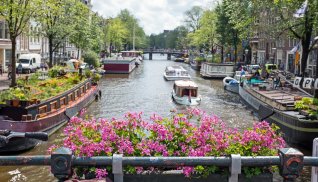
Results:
[154, 15]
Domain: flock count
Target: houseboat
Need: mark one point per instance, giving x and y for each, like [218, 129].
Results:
[124, 63]
[43, 115]
[278, 106]
[185, 92]
[216, 70]
[231, 84]
[176, 73]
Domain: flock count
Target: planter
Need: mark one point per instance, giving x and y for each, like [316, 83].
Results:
[304, 112]
[15, 103]
[179, 177]
[24, 103]
[313, 107]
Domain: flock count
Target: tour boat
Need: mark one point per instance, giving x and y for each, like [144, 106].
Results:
[278, 106]
[44, 116]
[176, 73]
[185, 92]
[125, 62]
[231, 84]
[216, 70]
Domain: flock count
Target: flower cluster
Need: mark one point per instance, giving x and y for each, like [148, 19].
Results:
[193, 133]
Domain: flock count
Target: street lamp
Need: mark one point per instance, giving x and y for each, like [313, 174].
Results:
[274, 54]
[315, 42]
[246, 56]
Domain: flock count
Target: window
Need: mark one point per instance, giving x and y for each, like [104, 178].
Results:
[62, 101]
[70, 97]
[42, 109]
[53, 105]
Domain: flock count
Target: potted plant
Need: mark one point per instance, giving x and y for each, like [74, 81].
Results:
[175, 136]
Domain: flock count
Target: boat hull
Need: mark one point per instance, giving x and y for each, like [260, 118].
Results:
[186, 101]
[119, 66]
[232, 88]
[295, 128]
[173, 78]
[48, 124]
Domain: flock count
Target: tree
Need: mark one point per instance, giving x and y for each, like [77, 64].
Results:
[17, 14]
[205, 36]
[300, 27]
[136, 33]
[81, 38]
[117, 33]
[57, 20]
[192, 18]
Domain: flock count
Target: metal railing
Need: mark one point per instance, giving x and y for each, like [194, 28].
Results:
[290, 162]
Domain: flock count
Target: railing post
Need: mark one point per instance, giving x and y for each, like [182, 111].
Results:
[61, 163]
[314, 170]
[118, 167]
[235, 168]
[291, 163]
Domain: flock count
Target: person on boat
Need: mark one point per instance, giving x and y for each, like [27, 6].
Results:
[256, 75]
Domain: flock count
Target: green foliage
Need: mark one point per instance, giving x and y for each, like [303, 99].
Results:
[199, 59]
[193, 17]
[96, 78]
[91, 58]
[307, 100]
[88, 73]
[315, 101]
[55, 71]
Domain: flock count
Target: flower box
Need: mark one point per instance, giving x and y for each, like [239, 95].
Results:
[179, 177]
[170, 137]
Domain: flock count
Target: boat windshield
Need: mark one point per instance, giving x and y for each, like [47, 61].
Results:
[187, 92]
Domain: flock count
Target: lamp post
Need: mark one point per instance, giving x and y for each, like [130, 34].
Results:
[316, 75]
[274, 54]
[246, 56]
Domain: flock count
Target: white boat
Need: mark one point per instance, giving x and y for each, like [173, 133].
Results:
[185, 92]
[176, 73]
[216, 70]
[231, 84]
[241, 77]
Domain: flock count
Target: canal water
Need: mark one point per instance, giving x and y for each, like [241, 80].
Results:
[145, 90]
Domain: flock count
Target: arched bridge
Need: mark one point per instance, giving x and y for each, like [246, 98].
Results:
[169, 52]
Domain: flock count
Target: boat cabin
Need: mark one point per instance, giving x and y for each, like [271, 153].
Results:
[185, 88]
[176, 70]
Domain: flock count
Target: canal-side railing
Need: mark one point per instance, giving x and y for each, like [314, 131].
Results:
[290, 162]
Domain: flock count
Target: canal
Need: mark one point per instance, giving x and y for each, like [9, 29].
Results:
[144, 90]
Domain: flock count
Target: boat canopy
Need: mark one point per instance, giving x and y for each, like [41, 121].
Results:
[186, 84]
[173, 68]
[185, 88]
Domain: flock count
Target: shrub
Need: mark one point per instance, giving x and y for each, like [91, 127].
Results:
[91, 58]
[175, 136]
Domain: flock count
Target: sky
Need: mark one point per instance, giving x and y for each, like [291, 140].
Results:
[153, 15]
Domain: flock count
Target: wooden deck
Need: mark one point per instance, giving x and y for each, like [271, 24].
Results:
[279, 99]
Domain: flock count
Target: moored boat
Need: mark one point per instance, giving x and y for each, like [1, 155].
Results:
[216, 70]
[185, 92]
[44, 115]
[231, 84]
[124, 63]
[278, 106]
[176, 73]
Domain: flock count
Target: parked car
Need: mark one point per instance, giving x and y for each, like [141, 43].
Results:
[30, 62]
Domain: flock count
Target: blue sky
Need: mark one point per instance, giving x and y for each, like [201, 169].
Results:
[154, 15]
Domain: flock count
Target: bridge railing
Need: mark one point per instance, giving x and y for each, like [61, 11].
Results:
[290, 162]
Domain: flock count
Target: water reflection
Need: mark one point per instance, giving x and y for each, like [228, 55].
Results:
[144, 90]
